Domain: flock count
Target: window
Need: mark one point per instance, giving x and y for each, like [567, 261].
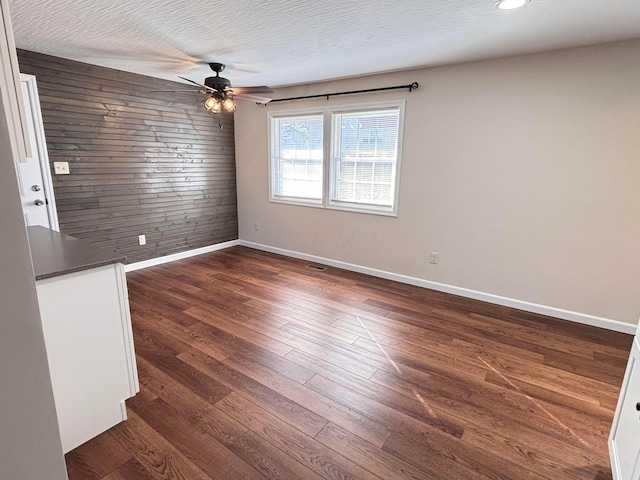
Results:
[364, 160]
[296, 158]
[341, 158]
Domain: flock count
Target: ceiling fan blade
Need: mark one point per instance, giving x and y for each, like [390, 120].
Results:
[172, 91]
[253, 98]
[252, 90]
[198, 84]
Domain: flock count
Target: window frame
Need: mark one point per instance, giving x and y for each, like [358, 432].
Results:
[273, 197]
[329, 170]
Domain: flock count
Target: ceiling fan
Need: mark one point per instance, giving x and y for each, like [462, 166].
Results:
[221, 95]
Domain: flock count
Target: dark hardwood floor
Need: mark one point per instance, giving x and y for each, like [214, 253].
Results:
[253, 366]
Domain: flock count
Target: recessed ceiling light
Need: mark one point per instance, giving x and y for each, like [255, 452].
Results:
[511, 4]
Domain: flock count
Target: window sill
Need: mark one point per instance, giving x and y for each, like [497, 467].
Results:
[353, 208]
[371, 210]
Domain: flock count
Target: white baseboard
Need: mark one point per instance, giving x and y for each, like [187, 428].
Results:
[577, 317]
[178, 256]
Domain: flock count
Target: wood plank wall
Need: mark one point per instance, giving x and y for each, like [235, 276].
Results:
[141, 161]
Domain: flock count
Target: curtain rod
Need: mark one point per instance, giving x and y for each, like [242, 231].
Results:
[411, 87]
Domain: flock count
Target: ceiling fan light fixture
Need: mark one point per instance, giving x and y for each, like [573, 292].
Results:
[229, 104]
[511, 4]
[220, 94]
[213, 104]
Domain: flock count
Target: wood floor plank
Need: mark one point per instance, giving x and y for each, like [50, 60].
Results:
[546, 338]
[194, 443]
[240, 331]
[388, 415]
[183, 373]
[422, 359]
[322, 405]
[600, 339]
[595, 369]
[193, 407]
[340, 334]
[266, 297]
[275, 363]
[362, 452]
[549, 395]
[130, 470]
[449, 457]
[148, 340]
[155, 299]
[188, 336]
[499, 408]
[253, 366]
[468, 345]
[268, 459]
[532, 456]
[96, 459]
[347, 362]
[200, 283]
[375, 358]
[295, 414]
[538, 373]
[158, 456]
[523, 336]
[569, 383]
[147, 306]
[332, 293]
[324, 367]
[311, 453]
[364, 327]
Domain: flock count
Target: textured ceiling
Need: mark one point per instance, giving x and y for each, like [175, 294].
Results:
[284, 42]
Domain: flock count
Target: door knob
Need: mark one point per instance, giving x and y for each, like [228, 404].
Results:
[36, 188]
[39, 202]
[638, 406]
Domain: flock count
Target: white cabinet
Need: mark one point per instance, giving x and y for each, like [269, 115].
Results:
[87, 330]
[624, 440]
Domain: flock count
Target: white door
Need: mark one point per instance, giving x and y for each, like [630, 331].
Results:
[34, 176]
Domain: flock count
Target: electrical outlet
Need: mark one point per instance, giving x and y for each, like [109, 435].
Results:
[61, 168]
[433, 257]
[142, 239]
[256, 226]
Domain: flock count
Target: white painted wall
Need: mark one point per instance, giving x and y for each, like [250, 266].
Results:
[29, 439]
[523, 173]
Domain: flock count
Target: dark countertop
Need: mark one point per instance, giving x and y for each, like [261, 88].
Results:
[55, 253]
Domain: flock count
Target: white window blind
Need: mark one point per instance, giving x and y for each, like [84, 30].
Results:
[297, 158]
[365, 154]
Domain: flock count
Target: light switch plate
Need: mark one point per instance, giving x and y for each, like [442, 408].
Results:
[61, 168]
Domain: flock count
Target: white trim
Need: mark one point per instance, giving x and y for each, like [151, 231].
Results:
[127, 332]
[179, 256]
[11, 92]
[34, 111]
[123, 410]
[577, 317]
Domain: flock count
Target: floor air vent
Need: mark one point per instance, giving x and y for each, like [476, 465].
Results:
[315, 266]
